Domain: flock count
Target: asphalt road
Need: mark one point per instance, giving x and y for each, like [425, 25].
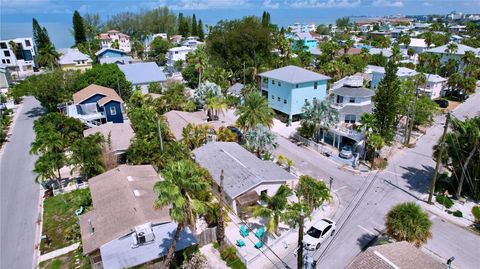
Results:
[19, 192]
[406, 178]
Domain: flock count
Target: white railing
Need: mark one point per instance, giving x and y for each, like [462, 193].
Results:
[70, 188]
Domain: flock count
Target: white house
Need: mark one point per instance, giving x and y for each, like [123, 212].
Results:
[445, 54]
[417, 43]
[106, 40]
[73, 59]
[177, 54]
[379, 72]
[20, 59]
[434, 86]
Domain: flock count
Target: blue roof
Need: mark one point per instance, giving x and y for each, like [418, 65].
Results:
[143, 73]
[102, 51]
[119, 253]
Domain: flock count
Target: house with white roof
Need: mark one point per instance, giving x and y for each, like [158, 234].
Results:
[309, 42]
[245, 175]
[445, 54]
[416, 43]
[20, 59]
[108, 38]
[142, 74]
[177, 54]
[290, 87]
[379, 72]
[73, 59]
[434, 86]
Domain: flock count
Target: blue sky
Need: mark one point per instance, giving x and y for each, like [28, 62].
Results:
[16, 15]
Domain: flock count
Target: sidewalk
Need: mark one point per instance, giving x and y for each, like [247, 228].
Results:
[213, 257]
[16, 111]
[58, 252]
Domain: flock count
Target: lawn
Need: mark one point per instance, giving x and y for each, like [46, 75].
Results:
[60, 224]
[67, 261]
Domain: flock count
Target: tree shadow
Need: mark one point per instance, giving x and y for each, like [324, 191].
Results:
[35, 112]
[365, 240]
[418, 179]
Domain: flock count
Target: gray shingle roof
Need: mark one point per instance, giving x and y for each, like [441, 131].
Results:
[242, 170]
[395, 255]
[70, 55]
[354, 91]
[236, 89]
[356, 110]
[293, 74]
[143, 73]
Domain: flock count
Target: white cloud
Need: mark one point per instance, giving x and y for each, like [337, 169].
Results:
[270, 4]
[387, 3]
[325, 3]
[426, 4]
[206, 4]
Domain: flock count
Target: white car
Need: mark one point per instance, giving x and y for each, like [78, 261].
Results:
[316, 234]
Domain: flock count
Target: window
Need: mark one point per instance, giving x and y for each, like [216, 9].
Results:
[315, 84]
[350, 118]
[8, 61]
[273, 96]
[3, 45]
[352, 100]
[279, 83]
[176, 52]
[6, 53]
[285, 101]
[339, 99]
[296, 86]
[314, 99]
[3, 61]
[326, 230]
[27, 43]
[113, 111]
[278, 99]
[273, 82]
[306, 101]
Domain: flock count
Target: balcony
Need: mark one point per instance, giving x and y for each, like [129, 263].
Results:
[347, 130]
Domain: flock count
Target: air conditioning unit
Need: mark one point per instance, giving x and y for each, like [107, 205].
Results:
[144, 234]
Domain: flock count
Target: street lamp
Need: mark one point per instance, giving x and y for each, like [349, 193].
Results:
[449, 262]
[331, 182]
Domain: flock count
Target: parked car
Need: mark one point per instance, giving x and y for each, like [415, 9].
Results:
[237, 132]
[346, 152]
[316, 234]
[442, 103]
[457, 95]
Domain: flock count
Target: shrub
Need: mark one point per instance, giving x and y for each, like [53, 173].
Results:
[458, 214]
[83, 198]
[216, 245]
[408, 222]
[447, 202]
[476, 213]
[228, 254]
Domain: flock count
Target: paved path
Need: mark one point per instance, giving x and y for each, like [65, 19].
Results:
[19, 193]
[59, 252]
[213, 257]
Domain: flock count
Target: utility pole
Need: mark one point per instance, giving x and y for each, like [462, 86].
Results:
[412, 121]
[439, 158]
[221, 222]
[300, 240]
[160, 135]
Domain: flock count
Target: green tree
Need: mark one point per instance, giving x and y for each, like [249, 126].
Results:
[451, 48]
[48, 56]
[260, 141]
[78, 28]
[375, 142]
[214, 106]
[107, 75]
[343, 23]
[179, 189]
[387, 103]
[115, 45]
[424, 111]
[86, 156]
[200, 31]
[155, 87]
[158, 49]
[40, 35]
[194, 136]
[408, 222]
[312, 192]
[253, 111]
[322, 29]
[266, 19]
[194, 25]
[274, 208]
[199, 58]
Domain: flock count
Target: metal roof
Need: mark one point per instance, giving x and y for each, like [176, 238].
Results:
[242, 170]
[293, 74]
[69, 56]
[356, 109]
[109, 49]
[143, 73]
[461, 49]
[119, 253]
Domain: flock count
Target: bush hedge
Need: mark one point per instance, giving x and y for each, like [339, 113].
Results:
[447, 202]
[476, 213]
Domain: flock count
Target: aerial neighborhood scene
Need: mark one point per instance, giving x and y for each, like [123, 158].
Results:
[260, 134]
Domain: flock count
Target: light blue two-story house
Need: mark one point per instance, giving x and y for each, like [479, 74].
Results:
[289, 87]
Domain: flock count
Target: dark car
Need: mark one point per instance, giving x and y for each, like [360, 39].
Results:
[457, 95]
[442, 103]
[237, 132]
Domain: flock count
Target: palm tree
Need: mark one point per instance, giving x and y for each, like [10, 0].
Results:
[182, 181]
[87, 156]
[312, 192]
[321, 115]
[408, 222]
[115, 45]
[274, 208]
[396, 53]
[376, 142]
[253, 111]
[468, 58]
[45, 168]
[214, 105]
[260, 140]
[195, 136]
[452, 48]
[48, 56]
[200, 59]
[428, 38]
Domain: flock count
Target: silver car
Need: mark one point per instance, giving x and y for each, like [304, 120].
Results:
[346, 152]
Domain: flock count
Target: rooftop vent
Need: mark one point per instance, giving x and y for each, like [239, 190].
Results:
[129, 178]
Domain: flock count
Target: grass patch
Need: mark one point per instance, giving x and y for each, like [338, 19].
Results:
[60, 224]
[445, 201]
[229, 254]
[67, 261]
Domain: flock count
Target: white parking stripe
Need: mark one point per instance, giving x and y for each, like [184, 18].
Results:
[365, 229]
